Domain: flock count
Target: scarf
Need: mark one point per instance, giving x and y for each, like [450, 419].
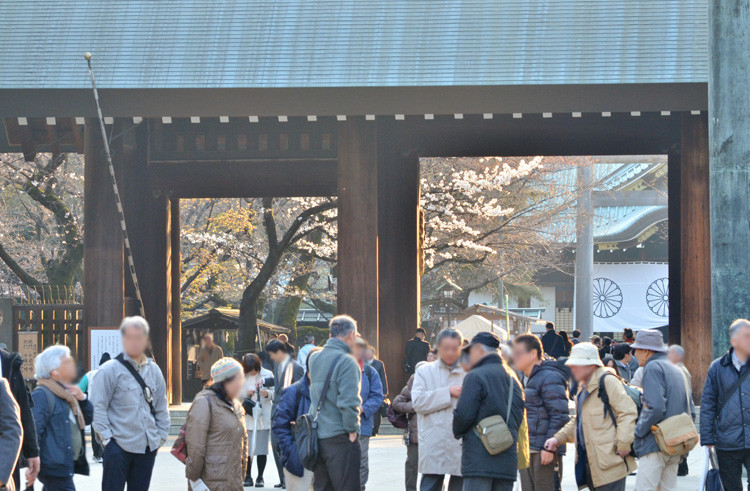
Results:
[58, 389]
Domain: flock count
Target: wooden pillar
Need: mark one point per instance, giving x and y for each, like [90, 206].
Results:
[176, 270]
[674, 214]
[398, 231]
[148, 216]
[729, 143]
[103, 245]
[695, 241]
[584, 286]
[358, 225]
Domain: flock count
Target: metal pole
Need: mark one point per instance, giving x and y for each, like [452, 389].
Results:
[126, 240]
[584, 288]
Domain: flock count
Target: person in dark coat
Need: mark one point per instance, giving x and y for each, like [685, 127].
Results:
[546, 390]
[416, 350]
[10, 367]
[402, 404]
[380, 369]
[725, 427]
[294, 402]
[485, 393]
[61, 413]
[286, 371]
[552, 342]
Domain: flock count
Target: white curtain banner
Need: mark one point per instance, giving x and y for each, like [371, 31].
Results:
[634, 295]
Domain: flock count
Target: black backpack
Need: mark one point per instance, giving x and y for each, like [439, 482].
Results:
[306, 426]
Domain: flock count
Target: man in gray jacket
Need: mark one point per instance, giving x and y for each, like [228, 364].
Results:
[339, 453]
[665, 394]
[131, 422]
[11, 435]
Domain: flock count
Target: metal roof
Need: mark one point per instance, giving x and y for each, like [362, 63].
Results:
[147, 44]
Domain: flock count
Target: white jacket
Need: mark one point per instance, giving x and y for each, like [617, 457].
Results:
[264, 423]
[439, 450]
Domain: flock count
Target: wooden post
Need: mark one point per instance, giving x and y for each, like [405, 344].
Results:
[358, 225]
[674, 214]
[398, 229]
[695, 241]
[103, 245]
[176, 270]
[729, 143]
[148, 216]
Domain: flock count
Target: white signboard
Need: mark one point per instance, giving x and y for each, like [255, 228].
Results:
[103, 340]
[634, 295]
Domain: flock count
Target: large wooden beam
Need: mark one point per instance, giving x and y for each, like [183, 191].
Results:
[358, 225]
[398, 234]
[695, 242]
[103, 252]
[245, 179]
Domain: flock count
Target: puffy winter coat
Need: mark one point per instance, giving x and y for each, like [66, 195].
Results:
[602, 438]
[485, 393]
[431, 399]
[402, 404]
[216, 440]
[546, 403]
[264, 422]
[726, 430]
[372, 398]
[294, 402]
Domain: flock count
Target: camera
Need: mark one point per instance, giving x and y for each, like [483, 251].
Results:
[248, 404]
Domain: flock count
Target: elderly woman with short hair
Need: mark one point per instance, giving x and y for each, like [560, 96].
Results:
[61, 412]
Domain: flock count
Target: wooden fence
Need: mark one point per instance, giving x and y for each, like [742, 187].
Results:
[53, 324]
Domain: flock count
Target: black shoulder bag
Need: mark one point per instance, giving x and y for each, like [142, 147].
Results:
[306, 426]
[147, 394]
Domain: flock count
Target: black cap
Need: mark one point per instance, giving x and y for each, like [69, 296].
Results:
[488, 339]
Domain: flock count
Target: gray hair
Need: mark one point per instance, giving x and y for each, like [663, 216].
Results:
[506, 352]
[135, 321]
[49, 360]
[738, 324]
[451, 333]
[341, 326]
[678, 349]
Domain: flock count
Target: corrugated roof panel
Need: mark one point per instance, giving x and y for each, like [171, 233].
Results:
[354, 43]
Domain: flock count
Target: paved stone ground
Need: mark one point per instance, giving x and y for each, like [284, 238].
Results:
[387, 455]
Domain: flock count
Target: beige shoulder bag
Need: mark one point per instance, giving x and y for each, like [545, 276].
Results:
[677, 434]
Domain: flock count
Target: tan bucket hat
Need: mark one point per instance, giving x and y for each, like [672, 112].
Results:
[584, 354]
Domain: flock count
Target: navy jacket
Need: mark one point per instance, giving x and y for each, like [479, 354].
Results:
[552, 343]
[294, 402]
[726, 430]
[372, 398]
[485, 393]
[546, 403]
[53, 431]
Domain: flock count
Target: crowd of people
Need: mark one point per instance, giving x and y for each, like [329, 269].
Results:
[478, 413]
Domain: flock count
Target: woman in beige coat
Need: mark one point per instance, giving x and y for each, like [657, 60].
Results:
[215, 431]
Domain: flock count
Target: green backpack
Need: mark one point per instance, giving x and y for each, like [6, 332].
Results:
[633, 392]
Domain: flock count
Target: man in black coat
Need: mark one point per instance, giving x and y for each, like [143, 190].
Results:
[286, 371]
[416, 350]
[485, 392]
[552, 342]
[546, 389]
[10, 366]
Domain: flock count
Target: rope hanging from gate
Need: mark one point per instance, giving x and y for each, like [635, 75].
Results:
[116, 190]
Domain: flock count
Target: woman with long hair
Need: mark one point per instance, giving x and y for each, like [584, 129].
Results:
[256, 379]
[215, 432]
[567, 343]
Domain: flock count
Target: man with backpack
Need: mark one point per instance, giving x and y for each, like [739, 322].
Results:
[665, 395]
[552, 342]
[131, 414]
[335, 401]
[603, 425]
[725, 407]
